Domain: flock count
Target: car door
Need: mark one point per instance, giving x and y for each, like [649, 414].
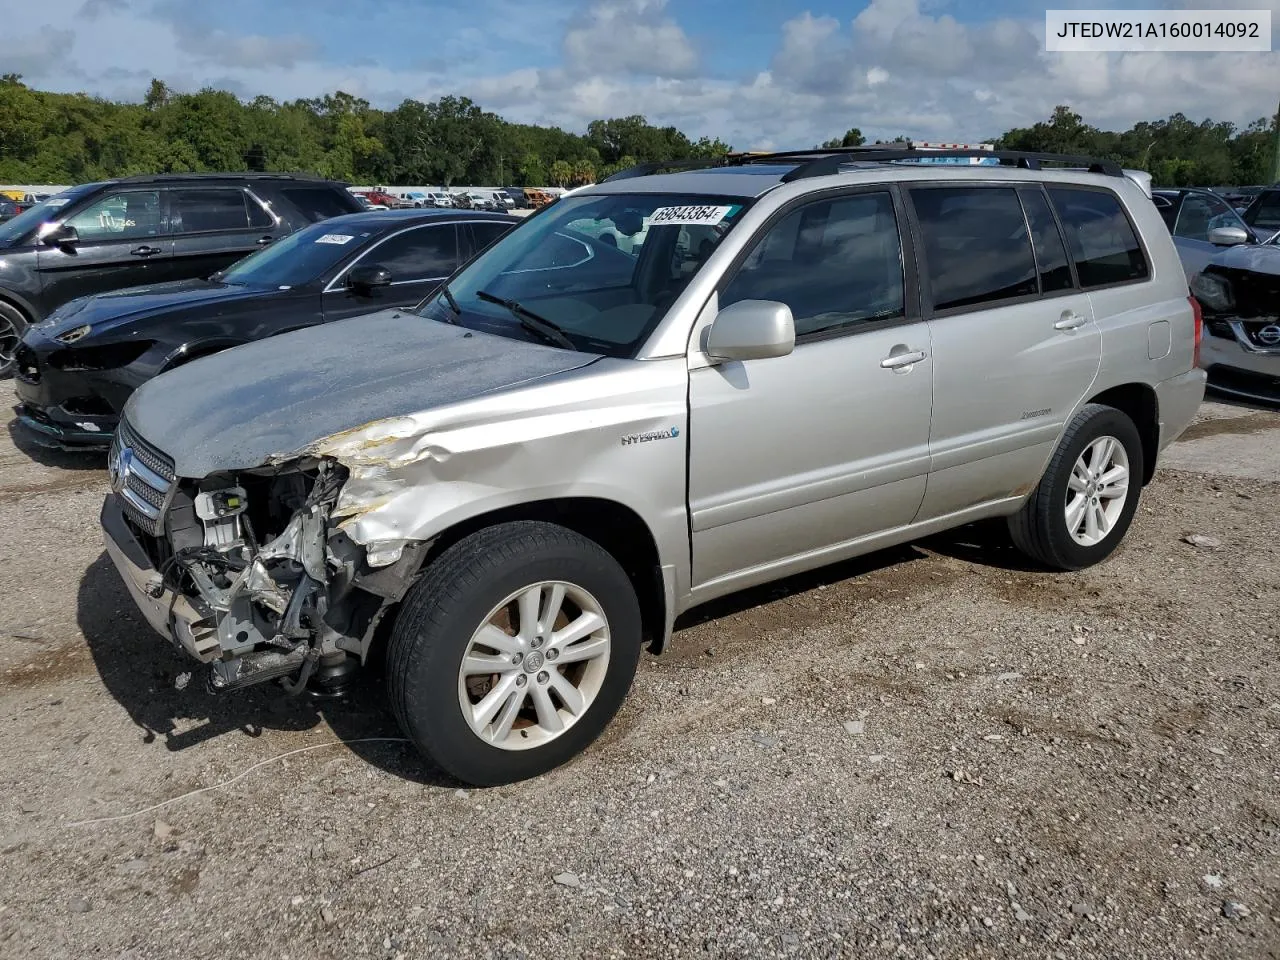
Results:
[213, 227]
[1198, 214]
[792, 459]
[122, 243]
[418, 259]
[1015, 345]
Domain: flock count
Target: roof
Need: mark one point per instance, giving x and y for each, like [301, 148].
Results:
[234, 177]
[377, 219]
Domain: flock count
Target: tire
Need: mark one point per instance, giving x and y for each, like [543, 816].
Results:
[478, 581]
[12, 326]
[1041, 529]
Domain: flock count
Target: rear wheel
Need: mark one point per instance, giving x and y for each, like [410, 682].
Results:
[513, 652]
[1087, 497]
[12, 326]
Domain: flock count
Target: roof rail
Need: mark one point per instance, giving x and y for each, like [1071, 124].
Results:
[244, 175]
[821, 163]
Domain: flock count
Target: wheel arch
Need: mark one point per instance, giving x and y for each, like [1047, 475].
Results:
[1139, 403]
[617, 528]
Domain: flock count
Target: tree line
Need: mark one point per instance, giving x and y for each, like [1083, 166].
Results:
[73, 138]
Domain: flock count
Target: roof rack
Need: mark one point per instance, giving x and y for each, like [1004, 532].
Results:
[826, 161]
[244, 175]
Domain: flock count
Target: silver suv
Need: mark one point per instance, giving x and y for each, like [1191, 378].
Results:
[503, 493]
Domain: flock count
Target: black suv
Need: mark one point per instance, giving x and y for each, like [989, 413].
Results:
[142, 230]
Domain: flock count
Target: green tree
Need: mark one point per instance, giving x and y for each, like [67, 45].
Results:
[561, 172]
[852, 138]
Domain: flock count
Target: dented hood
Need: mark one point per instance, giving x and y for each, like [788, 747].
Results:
[273, 399]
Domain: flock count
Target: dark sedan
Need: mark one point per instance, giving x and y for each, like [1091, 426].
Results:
[75, 370]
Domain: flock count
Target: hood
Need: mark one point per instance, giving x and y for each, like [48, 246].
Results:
[108, 309]
[1254, 257]
[273, 399]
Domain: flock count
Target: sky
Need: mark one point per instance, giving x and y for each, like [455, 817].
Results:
[756, 73]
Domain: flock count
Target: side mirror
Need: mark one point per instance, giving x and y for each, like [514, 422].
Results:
[367, 279]
[1228, 236]
[64, 235]
[752, 330]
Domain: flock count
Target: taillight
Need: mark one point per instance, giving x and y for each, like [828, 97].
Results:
[1199, 320]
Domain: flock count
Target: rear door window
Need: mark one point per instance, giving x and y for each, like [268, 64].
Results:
[1051, 252]
[976, 247]
[320, 203]
[208, 210]
[1100, 237]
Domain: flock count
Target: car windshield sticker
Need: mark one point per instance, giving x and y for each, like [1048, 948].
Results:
[57, 202]
[338, 238]
[667, 216]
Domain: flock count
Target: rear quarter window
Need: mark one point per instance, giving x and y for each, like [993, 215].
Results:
[1100, 237]
[321, 203]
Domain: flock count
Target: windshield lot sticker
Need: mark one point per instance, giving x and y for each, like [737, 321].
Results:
[652, 435]
[338, 238]
[665, 216]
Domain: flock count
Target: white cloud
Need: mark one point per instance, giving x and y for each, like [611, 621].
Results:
[628, 36]
[897, 67]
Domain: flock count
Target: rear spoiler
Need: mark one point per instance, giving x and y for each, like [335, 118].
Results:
[1142, 179]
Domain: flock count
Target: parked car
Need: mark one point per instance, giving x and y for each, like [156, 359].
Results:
[462, 200]
[412, 200]
[121, 233]
[537, 470]
[440, 198]
[1240, 197]
[1202, 224]
[75, 370]
[1239, 292]
[539, 198]
[1263, 212]
[8, 210]
[518, 200]
[380, 198]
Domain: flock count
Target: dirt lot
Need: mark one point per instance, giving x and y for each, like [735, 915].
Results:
[933, 752]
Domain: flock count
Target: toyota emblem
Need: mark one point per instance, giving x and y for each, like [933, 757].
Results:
[1270, 335]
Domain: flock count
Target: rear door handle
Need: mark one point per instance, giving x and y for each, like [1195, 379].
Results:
[1070, 320]
[896, 361]
[145, 251]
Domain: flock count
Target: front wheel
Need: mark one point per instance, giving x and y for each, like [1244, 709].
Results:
[1087, 497]
[513, 652]
[12, 326]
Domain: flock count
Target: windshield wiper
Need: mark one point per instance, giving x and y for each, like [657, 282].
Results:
[453, 304]
[531, 321]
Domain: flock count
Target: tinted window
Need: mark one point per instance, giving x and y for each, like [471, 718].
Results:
[834, 263]
[1099, 236]
[1201, 213]
[1264, 211]
[486, 233]
[1051, 252]
[258, 218]
[422, 254]
[975, 245]
[204, 211]
[299, 258]
[320, 203]
[119, 216]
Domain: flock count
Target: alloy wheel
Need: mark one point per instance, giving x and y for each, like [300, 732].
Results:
[1097, 490]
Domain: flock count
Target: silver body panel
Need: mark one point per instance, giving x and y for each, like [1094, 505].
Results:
[743, 472]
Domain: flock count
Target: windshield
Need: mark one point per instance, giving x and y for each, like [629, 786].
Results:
[601, 270]
[13, 230]
[298, 258]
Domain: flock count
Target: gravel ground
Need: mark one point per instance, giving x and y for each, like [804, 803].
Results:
[931, 752]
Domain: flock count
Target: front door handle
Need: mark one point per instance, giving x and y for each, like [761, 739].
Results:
[145, 251]
[1070, 320]
[263, 241]
[898, 361]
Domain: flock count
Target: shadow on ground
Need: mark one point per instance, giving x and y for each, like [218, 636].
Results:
[141, 671]
[51, 456]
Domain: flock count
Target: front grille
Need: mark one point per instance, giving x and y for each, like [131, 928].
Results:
[1263, 336]
[25, 365]
[142, 477]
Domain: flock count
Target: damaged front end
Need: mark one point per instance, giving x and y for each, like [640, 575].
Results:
[246, 571]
